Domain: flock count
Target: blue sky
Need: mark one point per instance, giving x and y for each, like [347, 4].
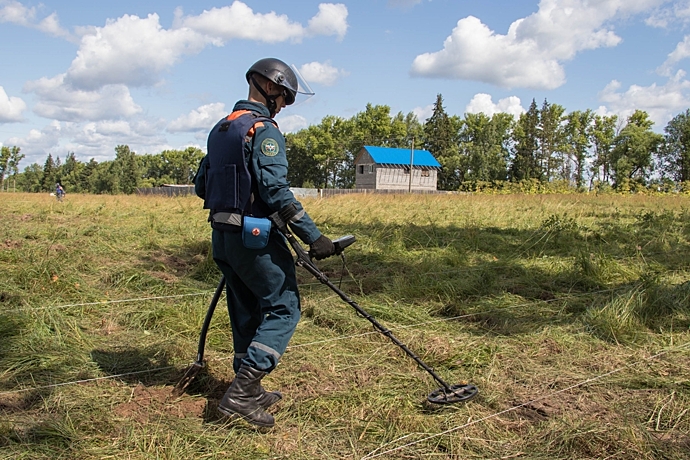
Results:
[83, 77]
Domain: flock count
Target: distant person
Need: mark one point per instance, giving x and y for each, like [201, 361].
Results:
[245, 174]
[59, 192]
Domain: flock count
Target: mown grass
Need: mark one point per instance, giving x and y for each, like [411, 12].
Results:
[570, 313]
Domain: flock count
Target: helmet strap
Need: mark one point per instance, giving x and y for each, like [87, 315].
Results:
[270, 100]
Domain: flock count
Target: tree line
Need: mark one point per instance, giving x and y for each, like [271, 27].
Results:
[121, 175]
[543, 146]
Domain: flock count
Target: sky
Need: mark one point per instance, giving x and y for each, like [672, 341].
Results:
[84, 77]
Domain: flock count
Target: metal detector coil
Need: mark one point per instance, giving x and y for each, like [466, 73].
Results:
[453, 394]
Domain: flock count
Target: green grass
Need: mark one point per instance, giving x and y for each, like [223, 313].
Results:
[571, 313]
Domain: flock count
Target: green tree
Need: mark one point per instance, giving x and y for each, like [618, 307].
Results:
[31, 180]
[177, 166]
[551, 139]
[125, 171]
[70, 174]
[106, 178]
[413, 129]
[13, 167]
[602, 133]
[674, 157]
[87, 176]
[525, 164]
[578, 143]
[304, 171]
[484, 146]
[154, 172]
[441, 139]
[5, 155]
[633, 150]
[50, 172]
[319, 156]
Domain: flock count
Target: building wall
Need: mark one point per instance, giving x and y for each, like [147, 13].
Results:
[365, 172]
[399, 179]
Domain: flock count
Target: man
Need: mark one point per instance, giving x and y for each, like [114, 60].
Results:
[59, 191]
[245, 173]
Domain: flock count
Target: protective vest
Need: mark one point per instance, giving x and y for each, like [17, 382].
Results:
[228, 180]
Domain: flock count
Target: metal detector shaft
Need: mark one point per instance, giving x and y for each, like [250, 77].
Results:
[199, 364]
[304, 261]
[207, 320]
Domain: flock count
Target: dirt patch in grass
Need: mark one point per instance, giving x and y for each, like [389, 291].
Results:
[11, 244]
[11, 403]
[578, 405]
[148, 403]
[174, 263]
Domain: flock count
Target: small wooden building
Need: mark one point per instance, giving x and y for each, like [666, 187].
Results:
[382, 168]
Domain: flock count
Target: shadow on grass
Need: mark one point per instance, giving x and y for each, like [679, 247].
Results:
[132, 365]
[147, 368]
[11, 326]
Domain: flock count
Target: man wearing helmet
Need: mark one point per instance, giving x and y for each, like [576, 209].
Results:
[245, 174]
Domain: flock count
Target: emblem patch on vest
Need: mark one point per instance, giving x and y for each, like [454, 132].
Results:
[269, 147]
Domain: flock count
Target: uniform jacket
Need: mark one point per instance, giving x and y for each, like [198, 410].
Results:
[266, 161]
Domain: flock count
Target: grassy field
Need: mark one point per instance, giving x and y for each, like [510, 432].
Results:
[571, 314]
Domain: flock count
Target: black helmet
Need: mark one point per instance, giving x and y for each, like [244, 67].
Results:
[279, 73]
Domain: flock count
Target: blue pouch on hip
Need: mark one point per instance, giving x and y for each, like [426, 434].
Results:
[255, 232]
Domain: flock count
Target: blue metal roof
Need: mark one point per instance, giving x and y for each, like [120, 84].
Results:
[385, 155]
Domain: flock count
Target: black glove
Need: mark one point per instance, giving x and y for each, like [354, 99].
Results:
[321, 248]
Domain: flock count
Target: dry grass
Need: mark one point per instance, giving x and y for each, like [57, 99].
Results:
[570, 313]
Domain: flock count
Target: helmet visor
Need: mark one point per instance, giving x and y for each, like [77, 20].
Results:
[303, 90]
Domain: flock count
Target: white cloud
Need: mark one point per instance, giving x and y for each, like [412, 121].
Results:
[681, 52]
[98, 139]
[14, 12]
[403, 3]
[321, 73]
[135, 51]
[38, 143]
[473, 52]
[131, 51]
[530, 55]
[203, 118]
[239, 21]
[60, 101]
[483, 103]
[51, 26]
[292, 123]
[423, 113]
[11, 108]
[330, 20]
[91, 140]
[678, 11]
[661, 102]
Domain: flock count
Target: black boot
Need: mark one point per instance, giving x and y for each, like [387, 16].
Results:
[241, 397]
[268, 398]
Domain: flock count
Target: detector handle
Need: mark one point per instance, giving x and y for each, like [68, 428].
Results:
[343, 242]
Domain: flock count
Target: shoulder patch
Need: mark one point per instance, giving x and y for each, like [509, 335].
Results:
[269, 147]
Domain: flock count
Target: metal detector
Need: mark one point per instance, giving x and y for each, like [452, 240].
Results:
[447, 394]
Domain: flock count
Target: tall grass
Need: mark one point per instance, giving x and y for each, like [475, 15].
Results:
[571, 313]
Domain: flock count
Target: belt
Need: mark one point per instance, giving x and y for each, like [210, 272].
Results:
[229, 218]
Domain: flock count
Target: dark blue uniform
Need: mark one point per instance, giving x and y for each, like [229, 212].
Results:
[263, 299]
